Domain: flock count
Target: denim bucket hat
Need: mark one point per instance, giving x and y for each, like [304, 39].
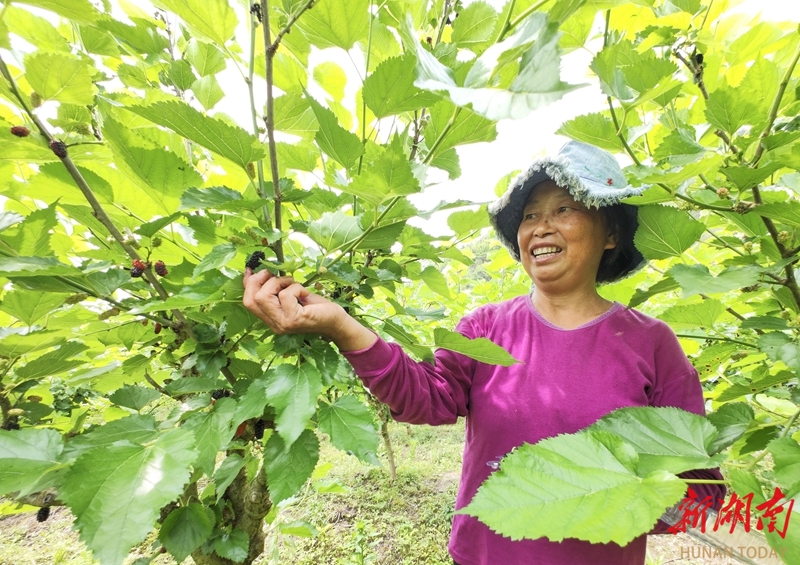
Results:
[592, 176]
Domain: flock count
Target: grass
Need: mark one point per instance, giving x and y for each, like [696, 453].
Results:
[377, 521]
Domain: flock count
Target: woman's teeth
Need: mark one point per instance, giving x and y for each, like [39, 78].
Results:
[546, 251]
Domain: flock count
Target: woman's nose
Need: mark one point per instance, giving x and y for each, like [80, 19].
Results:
[543, 226]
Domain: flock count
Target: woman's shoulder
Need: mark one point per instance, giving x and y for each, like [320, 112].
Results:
[641, 322]
[489, 314]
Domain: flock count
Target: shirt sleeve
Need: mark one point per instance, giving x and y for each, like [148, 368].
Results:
[683, 391]
[417, 392]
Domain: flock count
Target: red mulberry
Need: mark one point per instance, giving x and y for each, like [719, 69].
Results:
[58, 148]
[20, 131]
[161, 269]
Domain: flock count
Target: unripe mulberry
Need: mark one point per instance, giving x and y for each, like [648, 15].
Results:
[43, 514]
[784, 237]
[744, 207]
[58, 148]
[236, 240]
[255, 260]
[76, 298]
[34, 398]
[15, 412]
[723, 192]
[251, 170]
[20, 131]
[258, 429]
[787, 315]
[108, 313]
[156, 242]
[36, 100]
[157, 328]
[161, 269]
[748, 246]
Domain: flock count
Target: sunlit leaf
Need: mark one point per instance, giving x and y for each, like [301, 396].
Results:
[56, 76]
[480, 349]
[665, 232]
[293, 391]
[349, 425]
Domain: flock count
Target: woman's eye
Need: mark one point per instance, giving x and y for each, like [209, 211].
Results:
[530, 216]
[563, 209]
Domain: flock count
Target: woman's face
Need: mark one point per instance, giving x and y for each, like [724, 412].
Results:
[561, 241]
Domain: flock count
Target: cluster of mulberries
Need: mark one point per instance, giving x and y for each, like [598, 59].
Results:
[137, 270]
[255, 260]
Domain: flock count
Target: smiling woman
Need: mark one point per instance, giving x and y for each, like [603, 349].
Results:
[581, 356]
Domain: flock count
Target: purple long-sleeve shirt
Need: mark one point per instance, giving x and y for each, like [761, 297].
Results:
[567, 381]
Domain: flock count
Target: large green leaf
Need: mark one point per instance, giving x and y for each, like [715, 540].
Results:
[434, 280]
[595, 128]
[728, 109]
[34, 29]
[134, 396]
[33, 237]
[212, 19]
[533, 47]
[116, 492]
[26, 455]
[474, 26]
[288, 470]
[387, 173]
[785, 212]
[696, 279]
[293, 114]
[390, 89]
[56, 76]
[52, 363]
[28, 306]
[293, 391]
[480, 349]
[218, 257]
[229, 141]
[35, 266]
[206, 58]
[80, 11]
[665, 438]
[208, 91]
[336, 23]
[212, 431]
[333, 230]
[17, 344]
[468, 127]
[349, 425]
[665, 232]
[780, 347]
[141, 38]
[702, 315]
[731, 420]
[581, 486]
[226, 473]
[333, 139]
[786, 457]
[185, 529]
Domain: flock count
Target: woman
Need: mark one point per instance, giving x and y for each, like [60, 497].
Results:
[582, 356]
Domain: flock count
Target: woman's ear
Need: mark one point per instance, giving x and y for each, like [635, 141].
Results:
[612, 239]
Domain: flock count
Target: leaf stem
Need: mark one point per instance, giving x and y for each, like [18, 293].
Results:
[506, 23]
[363, 100]
[789, 424]
[445, 15]
[269, 54]
[520, 18]
[776, 104]
[712, 338]
[442, 135]
[289, 24]
[260, 188]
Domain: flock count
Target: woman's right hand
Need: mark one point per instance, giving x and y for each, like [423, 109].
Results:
[288, 307]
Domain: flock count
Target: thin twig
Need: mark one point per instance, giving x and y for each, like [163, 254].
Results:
[519, 19]
[154, 384]
[289, 24]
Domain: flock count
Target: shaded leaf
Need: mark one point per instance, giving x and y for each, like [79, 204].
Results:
[333, 139]
[293, 392]
[134, 396]
[480, 349]
[665, 232]
[390, 89]
[350, 427]
[211, 19]
[26, 455]
[185, 529]
[289, 469]
[731, 420]
[336, 23]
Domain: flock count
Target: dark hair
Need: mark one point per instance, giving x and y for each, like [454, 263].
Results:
[618, 262]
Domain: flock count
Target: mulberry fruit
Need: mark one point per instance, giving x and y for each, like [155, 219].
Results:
[36, 100]
[255, 260]
[58, 148]
[43, 514]
[161, 269]
[723, 192]
[221, 393]
[240, 430]
[258, 429]
[137, 270]
[157, 328]
[20, 131]
[76, 298]
[108, 314]
[784, 237]
[156, 242]
[12, 426]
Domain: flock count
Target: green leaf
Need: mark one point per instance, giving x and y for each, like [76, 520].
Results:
[56, 76]
[181, 74]
[702, 315]
[116, 492]
[293, 114]
[390, 89]
[288, 470]
[218, 197]
[293, 392]
[786, 457]
[134, 396]
[29, 306]
[231, 142]
[333, 230]
[467, 221]
[80, 11]
[218, 257]
[212, 431]
[33, 236]
[208, 91]
[300, 528]
[387, 173]
[226, 472]
[435, 281]
[52, 363]
[595, 129]
[17, 344]
[780, 347]
[728, 109]
[467, 128]
[745, 178]
[696, 279]
[665, 438]
[336, 23]
[350, 427]
[578, 486]
[35, 30]
[212, 19]
[665, 232]
[206, 58]
[142, 37]
[474, 26]
[185, 529]
[332, 78]
[333, 139]
[786, 212]
[533, 47]
[26, 455]
[679, 143]
[480, 349]
[731, 420]
[233, 546]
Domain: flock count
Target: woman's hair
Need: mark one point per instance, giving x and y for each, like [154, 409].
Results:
[616, 262]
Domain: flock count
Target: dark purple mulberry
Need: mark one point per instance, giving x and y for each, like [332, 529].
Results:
[255, 260]
[258, 428]
[161, 268]
[20, 131]
[58, 148]
[43, 514]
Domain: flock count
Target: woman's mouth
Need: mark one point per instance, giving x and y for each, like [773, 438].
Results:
[545, 252]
